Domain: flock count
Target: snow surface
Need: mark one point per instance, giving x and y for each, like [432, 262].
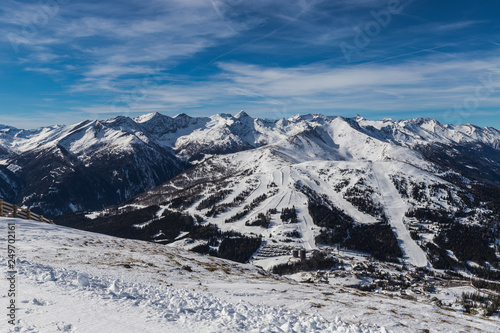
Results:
[74, 281]
[395, 208]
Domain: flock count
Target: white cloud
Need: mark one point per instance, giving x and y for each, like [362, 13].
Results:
[43, 70]
[113, 38]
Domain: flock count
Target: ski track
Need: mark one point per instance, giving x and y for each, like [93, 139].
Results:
[154, 307]
[337, 198]
[395, 208]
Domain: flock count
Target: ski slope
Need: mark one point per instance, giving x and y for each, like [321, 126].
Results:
[395, 208]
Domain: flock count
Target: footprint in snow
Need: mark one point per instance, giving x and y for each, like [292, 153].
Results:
[82, 280]
[64, 327]
[39, 302]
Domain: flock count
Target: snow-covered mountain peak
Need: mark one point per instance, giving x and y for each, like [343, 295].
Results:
[7, 129]
[182, 116]
[121, 123]
[147, 117]
[298, 117]
[424, 131]
[167, 129]
[221, 117]
[88, 137]
[228, 133]
[242, 114]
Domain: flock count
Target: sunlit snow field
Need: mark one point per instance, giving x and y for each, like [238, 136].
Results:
[75, 281]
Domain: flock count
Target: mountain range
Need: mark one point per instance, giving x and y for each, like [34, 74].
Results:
[409, 190]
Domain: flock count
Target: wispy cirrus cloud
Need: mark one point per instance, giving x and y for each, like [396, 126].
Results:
[43, 70]
[454, 26]
[436, 82]
[112, 36]
[431, 72]
[96, 58]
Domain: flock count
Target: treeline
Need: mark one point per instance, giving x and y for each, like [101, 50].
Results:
[418, 191]
[293, 234]
[122, 223]
[318, 261]
[237, 201]
[340, 185]
[323, 211]
[339, 229]
[185, 201]
[495, 286]
[209, 232]
[262, 220]
[401, 185]
[289, 215]
[182, 199]
[484, 272]
[376, 239]
[440, 216]
[229, 245]
[213, 199]
[468, 242]
[360, 196]
[489, 304]
[335, 223]
[439, 257]
[247, 209]
[239, 248]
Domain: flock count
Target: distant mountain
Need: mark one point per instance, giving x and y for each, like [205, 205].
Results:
[412, 190]
[88, 165]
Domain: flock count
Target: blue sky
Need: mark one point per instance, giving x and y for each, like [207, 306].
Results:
[63, 61]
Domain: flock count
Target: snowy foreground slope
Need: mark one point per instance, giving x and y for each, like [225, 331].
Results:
[75, 281]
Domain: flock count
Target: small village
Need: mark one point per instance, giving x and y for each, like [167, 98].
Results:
[357, 270]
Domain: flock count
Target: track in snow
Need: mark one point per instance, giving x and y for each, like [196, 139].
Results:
[395, 208]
